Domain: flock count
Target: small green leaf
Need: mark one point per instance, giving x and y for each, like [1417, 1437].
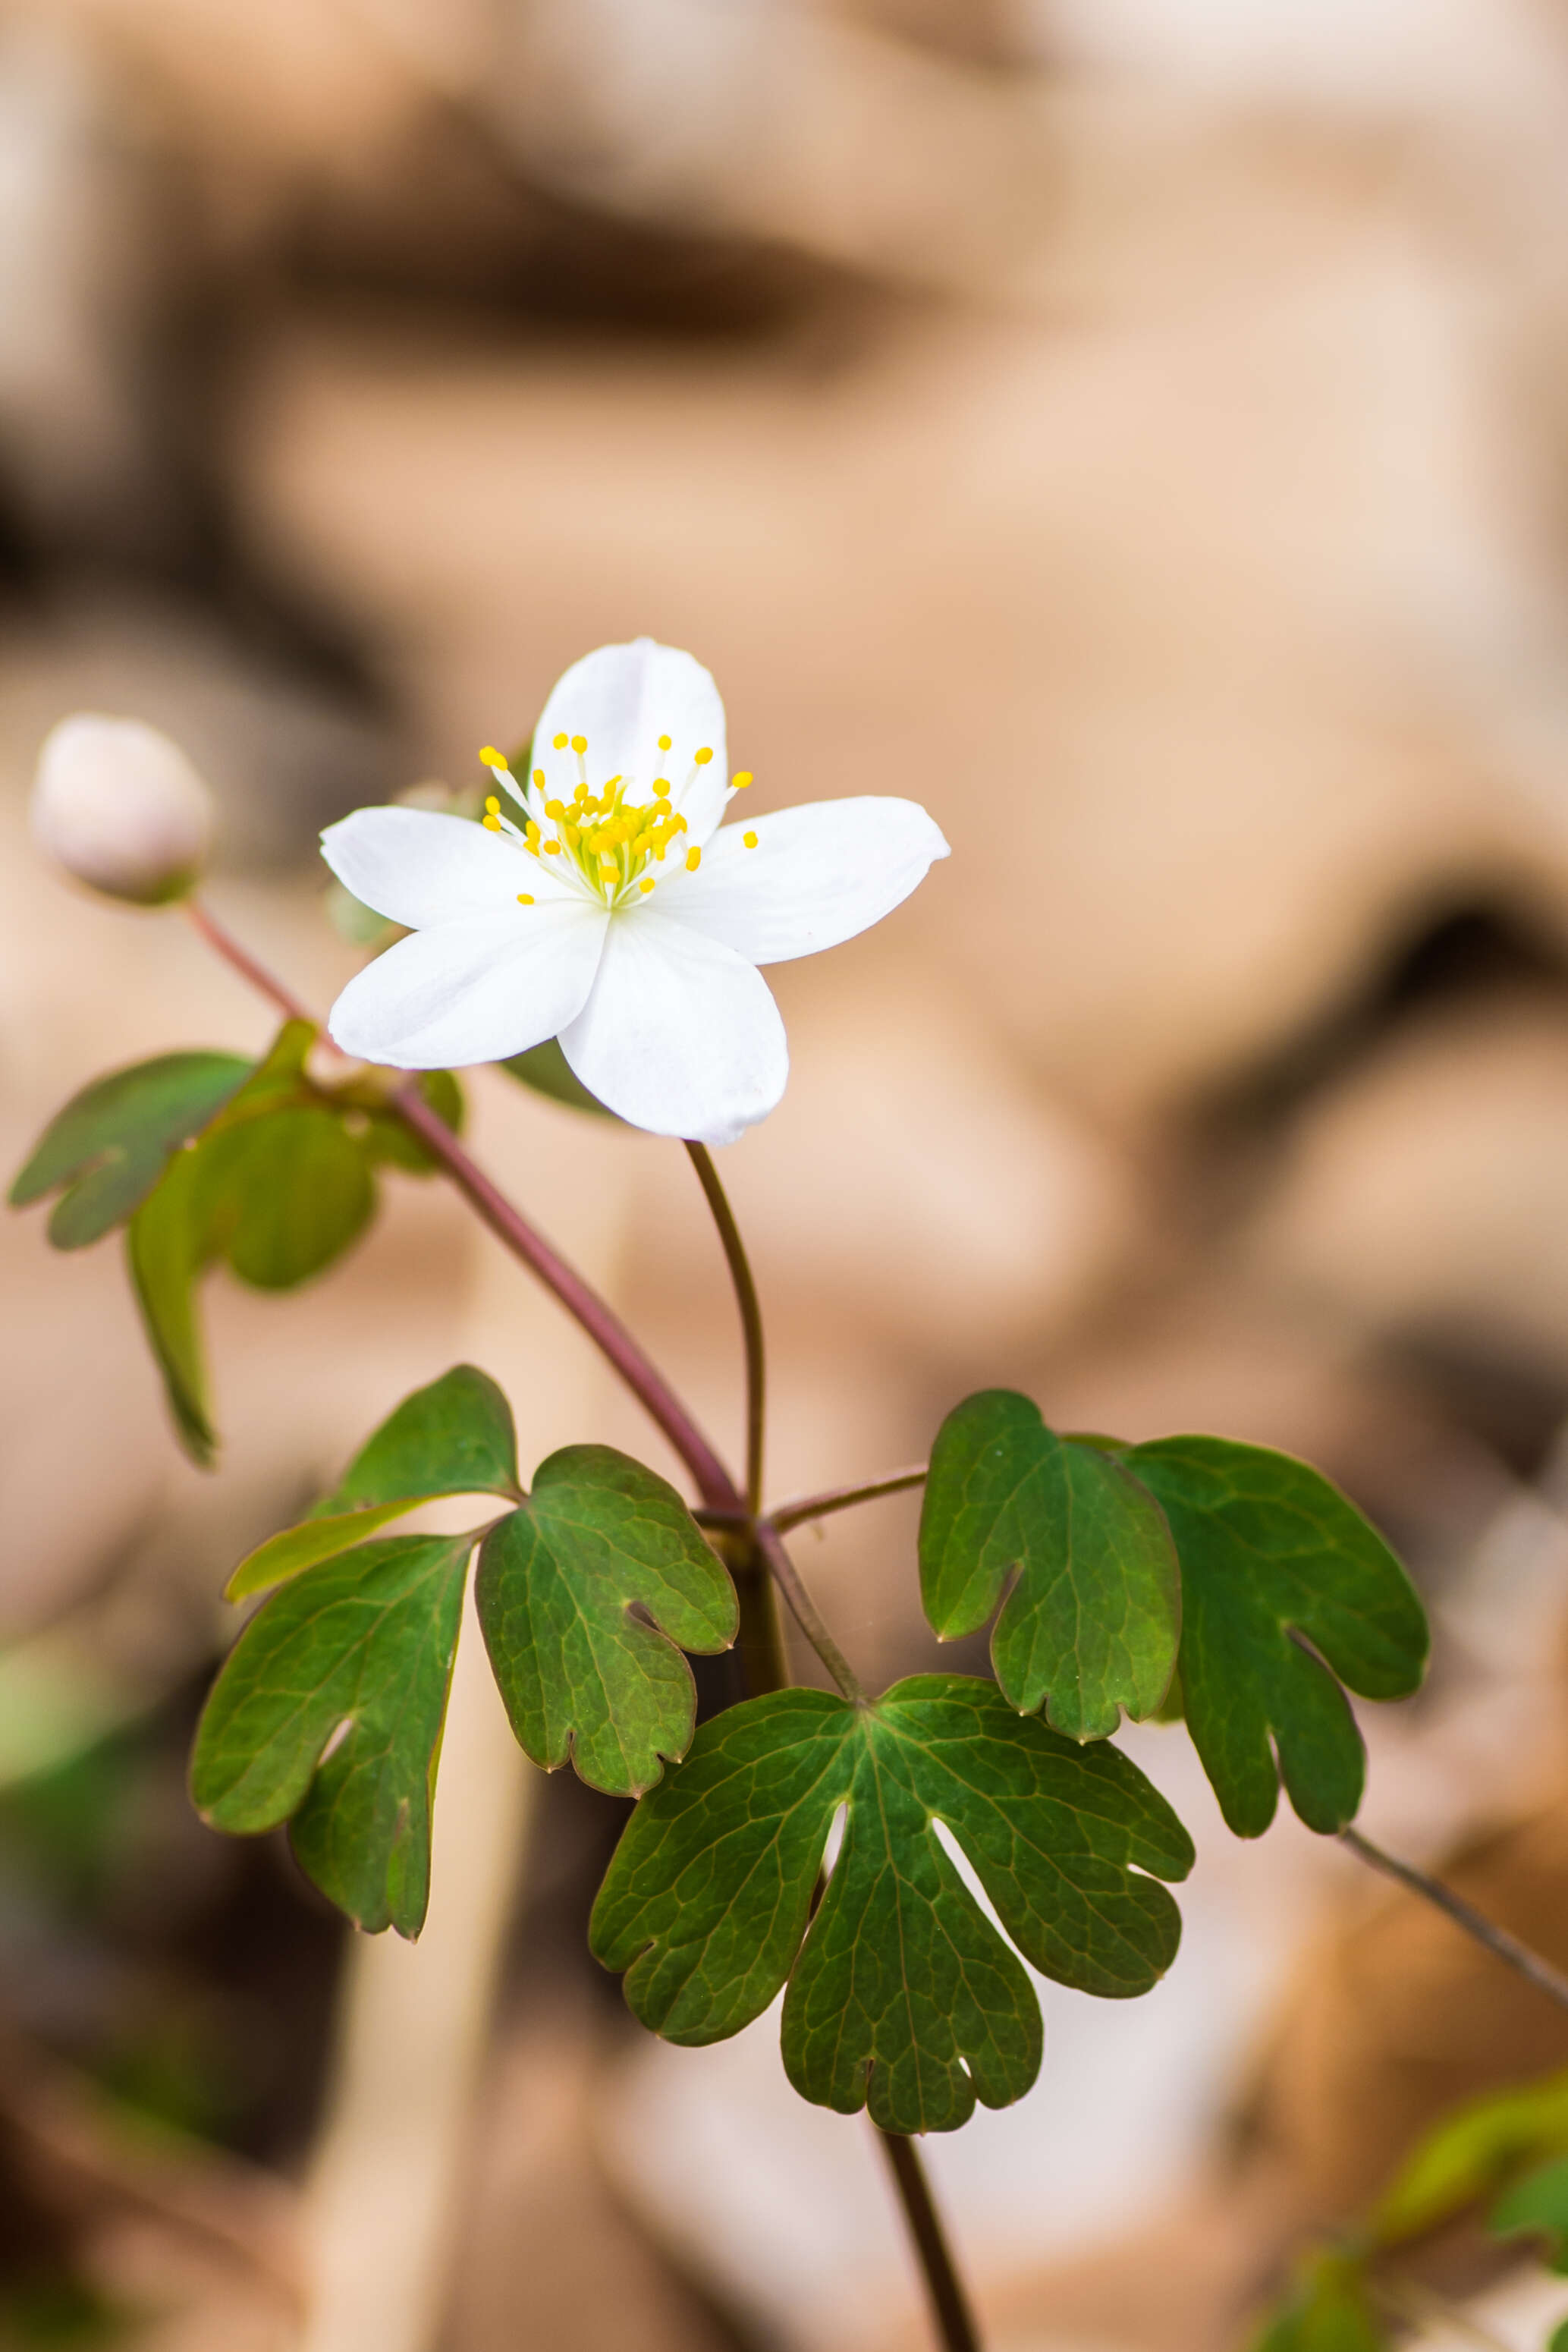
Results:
[902, 1995]
[1269, 1550]
[281, 1196]
[112, 1142]
[547, 1071]
[1537, 2206]
[599, 1538]
[164, 1258]
[1328, 2311]
[390, 1143]
[1470, 2155]
[328, 1714]
[1092, 1623]
[1559, 2342]
[453, 1437]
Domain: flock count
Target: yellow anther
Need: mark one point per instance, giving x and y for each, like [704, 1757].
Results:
[703, 756]
[661, 788]
[552, 849]
[580, 795]
[664, 742]
[539, 778]
[750, 839]
[678, 823]
[491, 824]
[559, 742]
[572, 834]
[531, 827]
[579, 744]
[740, 779]
[490, 758]
[524, 899]
[661, 805]
[614, 780]
[646, 884]
[556, 810]
[693, 859]
[492, 806]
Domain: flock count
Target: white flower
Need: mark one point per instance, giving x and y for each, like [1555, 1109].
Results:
[120, 807]
[611, 911]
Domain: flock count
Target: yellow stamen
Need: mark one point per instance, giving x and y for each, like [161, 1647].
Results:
[524, 899]
[559, 742]
[539, 778]
[664, 742]
[490, 758]
[750, 839]
[646, 884]
[703, 756]
[740, 779]
[693, 859]
[555, 810]
[492, 806]
[491, 824]
[579, 744]
[552, 849]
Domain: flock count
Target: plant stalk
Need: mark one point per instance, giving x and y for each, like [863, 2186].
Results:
[801, 1507]
[1497, 1940]
[746, 1298]
[949, 2303]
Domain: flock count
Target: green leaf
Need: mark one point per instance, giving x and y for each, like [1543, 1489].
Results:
[281, 1197]
[454, 1437]
[901, 1994]
[163, 1257]
[1269, 1551]
[547, 1071]
[112, 1142]
[1470, 2155]
[1092, 1621]
[1559, 2342]
[328, 1714]
[599, 1538]
[1537, 2206]
[387, 1142]
[1329, 2311]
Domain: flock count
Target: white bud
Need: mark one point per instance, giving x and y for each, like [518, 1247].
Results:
[120, 806]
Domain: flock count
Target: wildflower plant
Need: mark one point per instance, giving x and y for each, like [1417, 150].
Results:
[600, 931]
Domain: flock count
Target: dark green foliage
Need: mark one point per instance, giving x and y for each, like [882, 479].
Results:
[112, 1142]
[1537, 2207]
[1330, 2311]
[329, 1714]
[559, 1579]
[1092, 1621]
[902, 1995]
[454, 1437]
[1269, 1550]
[278, 1184]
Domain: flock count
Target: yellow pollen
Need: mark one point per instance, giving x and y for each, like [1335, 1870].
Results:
[524, 899]
[646, 884]
[556, 810]
[693, 859]
[552, 849]
[664, 742]
[703, 756]
[559, 742]
[750, 839]
[490, 758]
[531, 829]
[539, 778]
[741, 777]
[491, 824]
[579, 744]
[678, 823]
[492, 806]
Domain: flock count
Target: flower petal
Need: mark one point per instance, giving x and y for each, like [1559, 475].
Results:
[420, 868]
[678, 1035]
[623, 698]
[475, 991]
[819, 875]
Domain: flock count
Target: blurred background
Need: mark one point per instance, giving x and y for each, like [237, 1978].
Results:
[1137, 429]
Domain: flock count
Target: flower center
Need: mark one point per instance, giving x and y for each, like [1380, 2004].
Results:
[611, 843]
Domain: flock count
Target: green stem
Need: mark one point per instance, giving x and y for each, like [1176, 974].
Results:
[804, 1609]
[801, 1507]
[746, 1298]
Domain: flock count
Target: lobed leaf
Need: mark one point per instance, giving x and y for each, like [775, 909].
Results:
[1092, 1623]
[328, 1714]
[453, 1437]
[901, 1994]
[599, 1538]
[1274, 1557]
[107, 1149]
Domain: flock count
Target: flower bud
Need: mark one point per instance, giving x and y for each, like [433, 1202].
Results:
[120, 807]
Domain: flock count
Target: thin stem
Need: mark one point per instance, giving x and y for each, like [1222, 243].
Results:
[595, 1315]
[804, 1611]
[801, 1507]
[950, 2305]
[248, 967]
[1495, 1940]
[750, 1319]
